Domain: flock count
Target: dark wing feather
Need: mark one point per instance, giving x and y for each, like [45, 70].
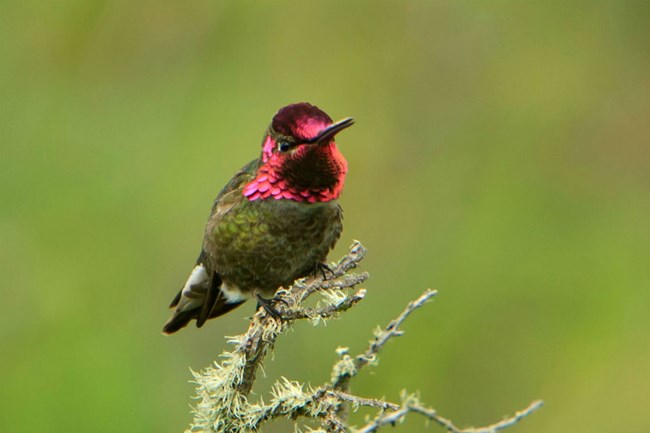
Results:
[211, 299]
[213, 303]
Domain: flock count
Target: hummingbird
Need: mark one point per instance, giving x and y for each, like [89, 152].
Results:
[274, 222]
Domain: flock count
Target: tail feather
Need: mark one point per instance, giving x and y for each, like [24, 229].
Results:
[222, 308]
[181, 319]
[176, 299]
[211, 298]
[178, 321]
[201, 298]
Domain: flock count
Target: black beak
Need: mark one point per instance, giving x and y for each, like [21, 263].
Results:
[328, 133]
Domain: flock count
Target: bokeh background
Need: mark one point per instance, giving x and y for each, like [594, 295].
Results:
[500, 155]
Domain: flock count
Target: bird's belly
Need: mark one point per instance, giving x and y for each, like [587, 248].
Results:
[265, 244]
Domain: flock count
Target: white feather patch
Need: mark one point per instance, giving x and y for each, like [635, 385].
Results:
[198, 276]
[233, 294]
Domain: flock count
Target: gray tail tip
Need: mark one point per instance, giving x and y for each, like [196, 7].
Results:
[177, 321]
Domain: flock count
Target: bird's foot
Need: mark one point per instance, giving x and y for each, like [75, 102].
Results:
[269, 305]
[324, 269]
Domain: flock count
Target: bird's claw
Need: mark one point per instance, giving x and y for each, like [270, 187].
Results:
[268, 305]
[324, 269]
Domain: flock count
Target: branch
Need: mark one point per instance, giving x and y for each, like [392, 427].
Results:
[411, 404]
[347, 368]
[264, 328]
[223, 390]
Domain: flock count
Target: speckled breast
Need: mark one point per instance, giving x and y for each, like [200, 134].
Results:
[264, 244]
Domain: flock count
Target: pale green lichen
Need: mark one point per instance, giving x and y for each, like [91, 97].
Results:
[334, 298]
[289, 395]
[223, 409]
[223, 389]
[344, 367]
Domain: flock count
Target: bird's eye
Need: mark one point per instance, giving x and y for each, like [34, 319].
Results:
[283, 146]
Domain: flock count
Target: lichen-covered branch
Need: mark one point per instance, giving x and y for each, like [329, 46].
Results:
[223, 390]
[348, 367]
[411, 404]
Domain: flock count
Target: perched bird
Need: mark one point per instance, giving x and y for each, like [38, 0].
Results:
[274, 222]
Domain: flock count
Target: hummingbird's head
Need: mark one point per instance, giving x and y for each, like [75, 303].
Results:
[300, 160]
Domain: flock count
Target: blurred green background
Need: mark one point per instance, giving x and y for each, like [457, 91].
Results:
[500, 155]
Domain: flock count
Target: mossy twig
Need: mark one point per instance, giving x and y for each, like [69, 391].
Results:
[223, 390]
